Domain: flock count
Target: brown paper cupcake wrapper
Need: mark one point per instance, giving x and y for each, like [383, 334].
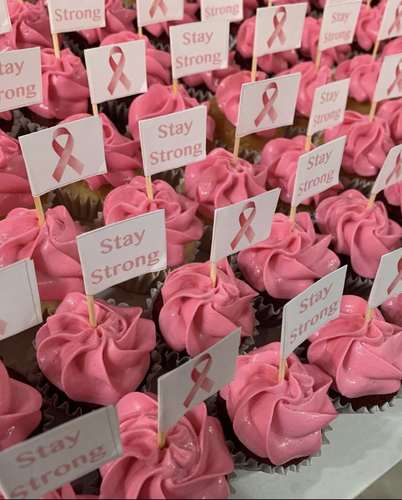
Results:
[23, 125]
[362, 184]
[117, 111]
[82, 203]
[343, 405]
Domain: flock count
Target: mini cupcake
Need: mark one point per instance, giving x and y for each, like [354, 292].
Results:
[290, 260]
[65, 88]
[14, 186]
[183, 228]
[194, 463]
[20, 410]
[270, 63]
[368, 25]
[221, 180]
[195, 315]
[392, 310]
[280, 158]
[85, 199]
[30, 26]
[364, 358]
[363, 233]
[367, 145]
[113, 357]
[391, 112]
[277, 423]
[363, 72]
[52, 247]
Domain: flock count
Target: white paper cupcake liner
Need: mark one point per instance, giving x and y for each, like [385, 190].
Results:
[348, 408]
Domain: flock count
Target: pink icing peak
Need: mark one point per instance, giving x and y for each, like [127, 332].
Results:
[112, 358]
[363, 358]
[367, 145]
[392, 310]
[279, 421]
[118, 19]
[14, 185]
[196, 315]
[311, 78]
[30, 26]
[271, 63]
[190, 16]
[194, 463]
[280, 157]
[52, 247]
[65, 86]
[158, 62]
[352, 223]
[221, 180]
[290, 260]
[309, 44]
[20, 407]
[160, 100]
[363, 72]
[182, 225]
[391, 112]
[123, 155]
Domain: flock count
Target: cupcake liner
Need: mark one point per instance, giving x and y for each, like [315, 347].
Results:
[173, 177]
[343, 405]
[362, 184]
[23, 125]
[355, 284]
[117, 111]
[83, 206]
[394, 211]
[202, 93]
[76, 43]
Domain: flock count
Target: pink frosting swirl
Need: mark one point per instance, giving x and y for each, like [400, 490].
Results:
[391, 112]
[362, 233]
[123, 155]
[368, 25]
[271, 63]
[112, 358]
[280, 157]
[309, 44]
[190, 16]
[194, 463]
[158, 62]
[311, 78]
[118, 19]
[392, 310]
[281, 421]
[20, 407]
[182, 225]
[363, 357]
[195, 315]
[52, 247]
[14, 186]
[212, 79]
[290, 260]
[30, 26]
[221, 180]
[363, 72]
[65, 86]
[367, 144]
[160, 100]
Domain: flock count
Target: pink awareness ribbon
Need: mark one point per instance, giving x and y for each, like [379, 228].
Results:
[396, 24]
[268, 103]
[65, 154]
[397, 170]
[200, 379]
[279, 21]
[398, 79]
[397, 280]
[118, 70]
[245, 225]
[158, 4]
[3, 326]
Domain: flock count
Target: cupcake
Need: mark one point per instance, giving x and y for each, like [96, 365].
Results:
[30, 26]
[195, 315]
[183, 228]
[14, 186]
[290, 260]
[113, 357]
[280, 158]
[367, 145]
[364, 358]
[20, 410]
[221, 180]
[391, 112]
[84, 199]
[363, 72]
[361, 232]
[52, 247]
[294, 414]
[194, 464]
